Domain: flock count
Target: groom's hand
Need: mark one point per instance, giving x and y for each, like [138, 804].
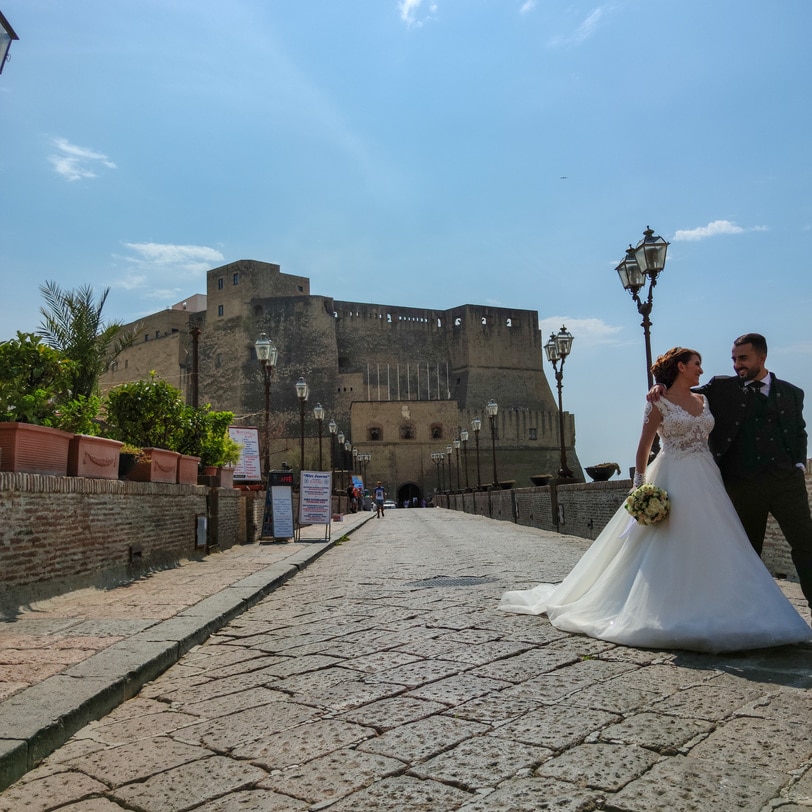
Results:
[655, 393]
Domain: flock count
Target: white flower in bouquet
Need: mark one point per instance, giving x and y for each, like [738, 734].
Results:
[648, 504]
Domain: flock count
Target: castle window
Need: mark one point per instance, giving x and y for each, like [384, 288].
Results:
[236, 279]
[220, 283]
[532, 434]
[257, 310]
[375, 434]
[509, 323]
[436, 431]
[457, 321]
[407, 432]
[301, 288]
[219, 310]
[484, 320]
[126, 363]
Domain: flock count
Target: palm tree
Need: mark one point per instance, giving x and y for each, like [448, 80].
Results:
[72, 323]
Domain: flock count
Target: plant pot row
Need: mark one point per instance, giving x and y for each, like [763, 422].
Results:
[31, 449]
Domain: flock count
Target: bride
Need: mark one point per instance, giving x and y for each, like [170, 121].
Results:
[693, 581]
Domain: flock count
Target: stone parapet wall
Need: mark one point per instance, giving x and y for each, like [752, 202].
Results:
[63, 533]
[583, 510]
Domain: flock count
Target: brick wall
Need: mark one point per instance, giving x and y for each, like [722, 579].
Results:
[62, 533]
[584, 509]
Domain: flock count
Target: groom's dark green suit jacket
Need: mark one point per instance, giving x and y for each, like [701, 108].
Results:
[727, 399]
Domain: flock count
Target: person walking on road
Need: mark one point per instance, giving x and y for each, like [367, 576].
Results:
[380, 497]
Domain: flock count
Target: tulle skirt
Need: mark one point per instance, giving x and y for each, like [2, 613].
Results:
[692, 581]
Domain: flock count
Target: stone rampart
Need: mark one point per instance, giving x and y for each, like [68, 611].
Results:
[583, 509]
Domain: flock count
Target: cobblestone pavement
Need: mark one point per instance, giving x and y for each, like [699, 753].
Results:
[382, 677]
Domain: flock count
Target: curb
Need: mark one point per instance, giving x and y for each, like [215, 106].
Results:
[42, 718]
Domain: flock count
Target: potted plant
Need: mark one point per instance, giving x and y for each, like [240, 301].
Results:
[147, 415]
[129, 456]
[602, 471]
[32, 377]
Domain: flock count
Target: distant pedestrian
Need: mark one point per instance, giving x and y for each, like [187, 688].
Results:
[380, 496]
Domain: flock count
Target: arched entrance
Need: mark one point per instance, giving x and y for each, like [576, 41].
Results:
[408, 491]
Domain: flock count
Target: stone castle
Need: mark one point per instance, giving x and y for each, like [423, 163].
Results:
[399, 382]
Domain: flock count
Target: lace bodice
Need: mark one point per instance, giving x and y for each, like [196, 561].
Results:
[683, 433]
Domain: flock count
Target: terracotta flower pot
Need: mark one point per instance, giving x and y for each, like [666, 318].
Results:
[217, 477]
[30, 449]
[93, 457]
[162, 467]
[187, 469]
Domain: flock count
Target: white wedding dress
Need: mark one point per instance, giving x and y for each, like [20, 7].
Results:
[691, 582]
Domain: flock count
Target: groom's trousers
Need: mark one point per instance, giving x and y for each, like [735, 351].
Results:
[784, 495]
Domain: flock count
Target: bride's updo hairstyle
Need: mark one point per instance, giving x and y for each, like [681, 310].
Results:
[665, 369]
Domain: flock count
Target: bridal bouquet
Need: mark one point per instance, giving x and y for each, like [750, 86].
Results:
[648, 504]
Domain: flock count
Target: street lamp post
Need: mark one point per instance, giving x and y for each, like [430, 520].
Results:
[435, 458]
[267, 355]
[492, 408]
[464, 438]
[448, 450]
[456, 444]
[332, 427]
[194, 332]
[645, 261]
[348, 461]
[476, 425]
[340, 456]
[557, 349]
[302, 391]
[318, 413]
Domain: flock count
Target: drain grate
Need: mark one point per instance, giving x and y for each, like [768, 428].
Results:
[449, 580]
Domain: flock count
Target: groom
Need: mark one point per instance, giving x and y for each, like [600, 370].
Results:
[759, 444]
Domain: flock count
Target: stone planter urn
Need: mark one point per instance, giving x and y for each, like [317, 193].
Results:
[603, 471]
[542, 479]
[93, 457]
[30, 449]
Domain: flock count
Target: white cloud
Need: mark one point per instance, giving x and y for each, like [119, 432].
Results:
[717, 228]
[180, 257]
[151, 265]
[589, 332]
[585, 30]
[527, 6]
[75, 163]
[409, 10]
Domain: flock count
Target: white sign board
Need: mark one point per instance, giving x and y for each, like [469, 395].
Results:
[282, 507]
[248, 466]
[315, 505]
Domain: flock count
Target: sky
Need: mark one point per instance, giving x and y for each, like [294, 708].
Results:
[427, 154]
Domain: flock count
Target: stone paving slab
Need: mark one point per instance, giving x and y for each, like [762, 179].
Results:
[351, 686]
[71, 659]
